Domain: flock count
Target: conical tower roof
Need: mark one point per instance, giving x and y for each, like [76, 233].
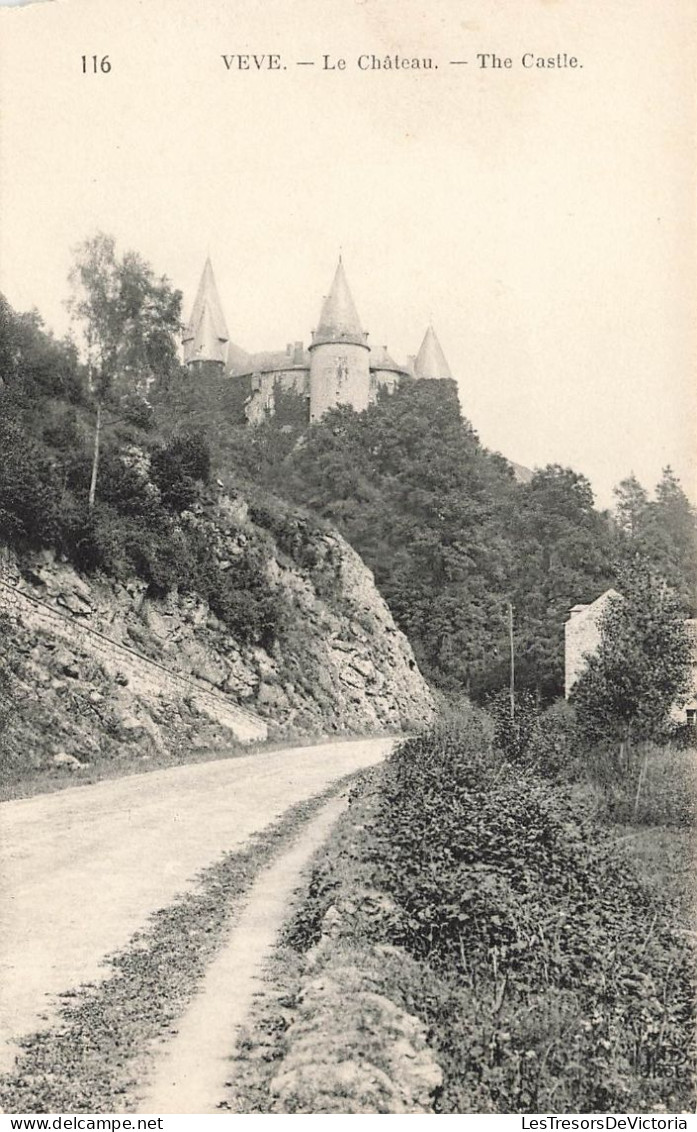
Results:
[430, 360]
[206, 335]
[207, 345]
[339, 321]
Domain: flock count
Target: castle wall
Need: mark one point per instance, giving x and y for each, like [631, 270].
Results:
[144, 676]
[265, 386]
[204, 369]
[383, 379]
[339, 375]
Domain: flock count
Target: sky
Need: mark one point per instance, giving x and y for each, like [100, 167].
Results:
[543, 218]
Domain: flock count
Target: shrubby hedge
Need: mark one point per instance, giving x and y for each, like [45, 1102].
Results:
[562, 978]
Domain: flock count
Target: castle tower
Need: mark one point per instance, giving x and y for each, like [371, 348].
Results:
[206, 336]
[430, 361]
[384, 372]
[339, 354]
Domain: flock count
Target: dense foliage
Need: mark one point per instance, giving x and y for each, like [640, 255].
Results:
[661, 531]
[154, 516]
[569, 983]
[642, 665]
[452, 538]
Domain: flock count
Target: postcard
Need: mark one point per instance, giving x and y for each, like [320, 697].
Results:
[347, 557]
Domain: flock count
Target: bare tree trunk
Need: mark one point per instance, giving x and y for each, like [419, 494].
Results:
[620, 757]
[512, 648]
[640, 783]
[95, 455]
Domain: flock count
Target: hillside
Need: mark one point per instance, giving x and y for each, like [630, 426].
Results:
[454, 541]
[252, 601]
[337, 663]
[453, 536]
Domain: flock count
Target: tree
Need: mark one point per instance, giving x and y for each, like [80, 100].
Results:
[631, 504]
[28, 489]
[641, 667]
[562, 557]
[662, 530]
[33, 363]
[131, 321]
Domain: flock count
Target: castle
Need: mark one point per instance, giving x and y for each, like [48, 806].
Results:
[337, 368]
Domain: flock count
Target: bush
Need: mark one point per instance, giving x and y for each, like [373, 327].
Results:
[544, 740]
[294, 534]
[8, 668]
[642, 664]
[568, 976]
[28, 489]
[682, 736]
[128, 490]
[179, 467]
[251, 617]
[513, 733]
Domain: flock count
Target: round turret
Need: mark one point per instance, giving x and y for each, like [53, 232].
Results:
[339, 354]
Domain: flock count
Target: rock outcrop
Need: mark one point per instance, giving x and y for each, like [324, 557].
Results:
[337, 664]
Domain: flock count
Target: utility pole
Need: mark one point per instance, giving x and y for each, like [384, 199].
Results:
[512, 652]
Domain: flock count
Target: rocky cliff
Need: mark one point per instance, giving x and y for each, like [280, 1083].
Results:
[95, 669]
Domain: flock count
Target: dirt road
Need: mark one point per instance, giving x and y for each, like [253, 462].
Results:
[82, 870]
[192, 1071]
